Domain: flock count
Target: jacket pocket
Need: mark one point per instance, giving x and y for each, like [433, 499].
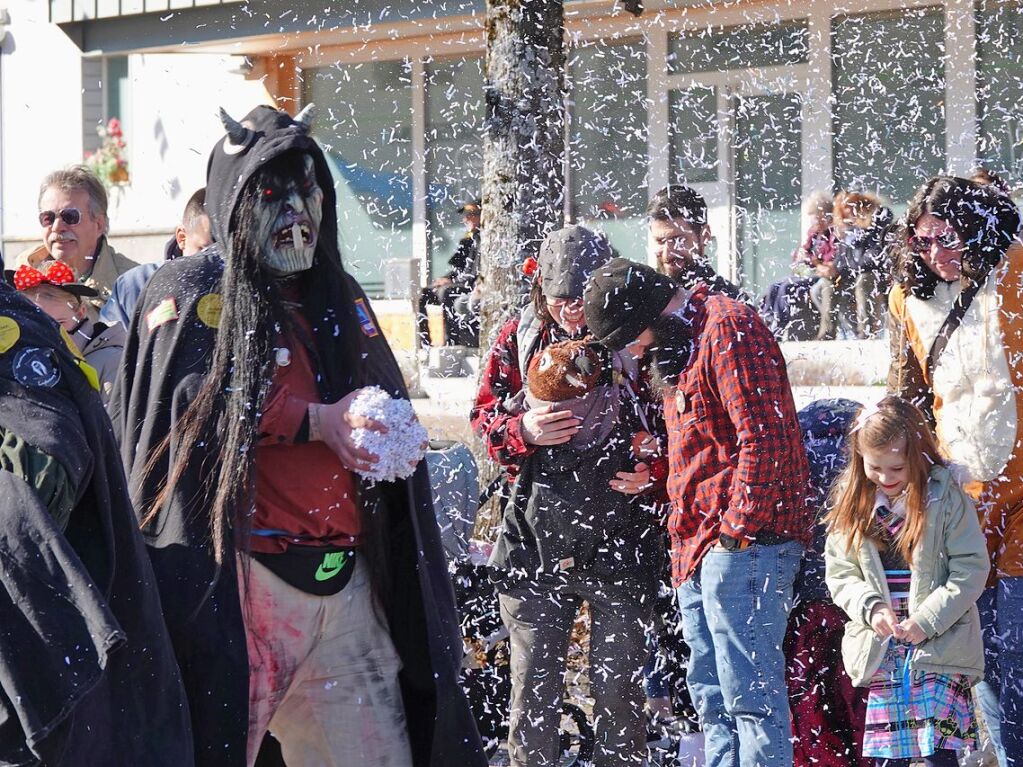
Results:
[862, 652]
[960, 650]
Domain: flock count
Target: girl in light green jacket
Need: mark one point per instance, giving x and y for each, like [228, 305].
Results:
[906, 560]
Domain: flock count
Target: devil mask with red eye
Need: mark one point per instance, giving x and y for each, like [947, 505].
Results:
[287, 213]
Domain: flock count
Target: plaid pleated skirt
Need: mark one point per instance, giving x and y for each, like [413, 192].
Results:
[912, 714]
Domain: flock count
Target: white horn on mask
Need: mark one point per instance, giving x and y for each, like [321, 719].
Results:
[306, 116]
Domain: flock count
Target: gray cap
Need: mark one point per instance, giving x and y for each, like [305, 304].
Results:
[567, 257]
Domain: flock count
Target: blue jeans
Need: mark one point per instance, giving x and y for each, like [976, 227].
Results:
[1009, 645]
[987, 690]
[1001, 616]
[735, 611]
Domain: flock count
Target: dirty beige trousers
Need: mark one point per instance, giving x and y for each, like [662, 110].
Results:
[323, 674]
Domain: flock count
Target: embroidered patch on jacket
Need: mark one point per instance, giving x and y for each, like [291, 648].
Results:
[165, 311]
[365, 320]
[209, 308]
[36, 367]
[10, 332]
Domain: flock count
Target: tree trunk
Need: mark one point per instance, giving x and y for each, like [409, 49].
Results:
[523, 157]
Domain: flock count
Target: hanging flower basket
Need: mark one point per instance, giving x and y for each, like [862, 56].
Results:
[108, 162]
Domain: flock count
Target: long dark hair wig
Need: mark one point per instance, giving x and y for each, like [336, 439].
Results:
[985, 220]
[226, 411]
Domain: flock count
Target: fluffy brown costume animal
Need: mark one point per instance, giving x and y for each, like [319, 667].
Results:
[566, 370]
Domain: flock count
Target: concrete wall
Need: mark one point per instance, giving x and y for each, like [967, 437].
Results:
[40, 113]
[173, 124]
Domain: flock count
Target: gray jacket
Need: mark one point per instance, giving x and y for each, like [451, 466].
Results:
[103, 351]
[949, 571]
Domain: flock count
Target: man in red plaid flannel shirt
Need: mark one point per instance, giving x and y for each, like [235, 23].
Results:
[738, 482]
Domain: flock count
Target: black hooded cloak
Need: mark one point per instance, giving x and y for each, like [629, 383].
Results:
[87, 672]
[167, 356]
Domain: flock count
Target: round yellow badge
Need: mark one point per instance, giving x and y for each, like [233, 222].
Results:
[10, 332]
[209, 309]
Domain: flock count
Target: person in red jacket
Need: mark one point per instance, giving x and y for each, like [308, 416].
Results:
[737, 479]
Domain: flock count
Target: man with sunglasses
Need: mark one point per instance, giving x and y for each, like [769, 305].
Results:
[957, 351]
[73, 218]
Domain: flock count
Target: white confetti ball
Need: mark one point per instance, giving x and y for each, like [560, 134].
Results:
[402, 447]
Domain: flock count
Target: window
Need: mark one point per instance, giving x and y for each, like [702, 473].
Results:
[454, 150]
[768, 185]
[717, 49]
[693, 123]
[365, 127]
[116, 89]
[1000, 86]
[888, 86]
[106, 93]
[607, 148]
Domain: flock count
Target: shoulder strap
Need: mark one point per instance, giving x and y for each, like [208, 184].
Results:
[949, 326]
[527, 337]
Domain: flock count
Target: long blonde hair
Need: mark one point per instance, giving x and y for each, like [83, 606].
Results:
[852, 498]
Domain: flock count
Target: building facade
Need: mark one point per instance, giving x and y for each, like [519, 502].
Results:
[756, 104]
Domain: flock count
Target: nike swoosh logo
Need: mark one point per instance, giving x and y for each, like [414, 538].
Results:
[326, 575]
[332, 564]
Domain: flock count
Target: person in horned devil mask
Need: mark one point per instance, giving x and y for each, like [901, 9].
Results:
[273, 557]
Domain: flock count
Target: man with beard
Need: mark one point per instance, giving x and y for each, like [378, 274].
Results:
[679, 235]
[300, 598]
[87, 672]
[737, 480]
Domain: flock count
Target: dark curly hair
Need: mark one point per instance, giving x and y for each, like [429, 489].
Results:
[986, 222]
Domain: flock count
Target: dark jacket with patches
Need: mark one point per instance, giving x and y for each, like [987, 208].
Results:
[87, 674]
[163, 369]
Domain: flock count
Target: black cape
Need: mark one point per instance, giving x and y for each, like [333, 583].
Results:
[165, 361]
[87, 673]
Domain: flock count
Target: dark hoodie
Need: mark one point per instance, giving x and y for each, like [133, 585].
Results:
[167, 356]
[563, 524]
[87, 673]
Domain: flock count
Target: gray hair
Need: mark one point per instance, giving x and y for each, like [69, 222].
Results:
[78, 178]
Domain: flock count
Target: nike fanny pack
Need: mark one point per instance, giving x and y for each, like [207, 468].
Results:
[318, 570]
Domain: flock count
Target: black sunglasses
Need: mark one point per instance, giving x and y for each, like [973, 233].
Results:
[945, 240]
[69, 216]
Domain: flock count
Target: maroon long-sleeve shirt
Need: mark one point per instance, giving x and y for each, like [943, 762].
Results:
[302, 488]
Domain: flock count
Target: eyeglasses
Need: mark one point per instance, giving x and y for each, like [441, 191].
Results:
[69, 216]
[948, 240]
[561, 303]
